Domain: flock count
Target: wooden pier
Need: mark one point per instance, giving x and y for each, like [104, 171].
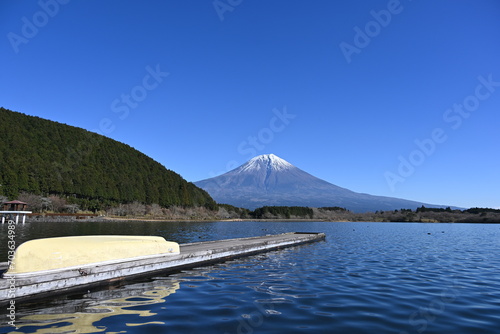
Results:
[44, 282]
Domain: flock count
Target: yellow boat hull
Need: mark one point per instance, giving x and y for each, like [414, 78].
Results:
[70, 252]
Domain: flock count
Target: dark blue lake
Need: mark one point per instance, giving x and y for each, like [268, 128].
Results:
[365, 278]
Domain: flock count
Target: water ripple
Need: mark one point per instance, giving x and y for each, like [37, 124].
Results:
[366, 278]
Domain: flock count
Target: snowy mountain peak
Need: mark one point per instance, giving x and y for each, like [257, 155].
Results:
[266, 161]
[268, 180]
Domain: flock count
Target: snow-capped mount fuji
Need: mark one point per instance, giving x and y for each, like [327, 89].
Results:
[264, 173]
[270, 180]
[268, 161]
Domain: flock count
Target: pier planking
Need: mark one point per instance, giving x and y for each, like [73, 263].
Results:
[42, 283]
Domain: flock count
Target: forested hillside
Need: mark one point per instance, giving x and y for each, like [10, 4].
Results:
[44, 157]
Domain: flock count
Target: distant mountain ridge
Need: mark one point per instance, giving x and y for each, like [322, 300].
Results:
[268, 180]
[43, 157]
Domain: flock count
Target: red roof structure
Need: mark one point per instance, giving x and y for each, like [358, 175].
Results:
[15, 206]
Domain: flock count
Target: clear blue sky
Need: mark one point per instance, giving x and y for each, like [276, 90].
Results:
[341, 89]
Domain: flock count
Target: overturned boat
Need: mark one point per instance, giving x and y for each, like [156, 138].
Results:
[57, 265]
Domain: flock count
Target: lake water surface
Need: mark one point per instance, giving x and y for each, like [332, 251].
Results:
[365, 278]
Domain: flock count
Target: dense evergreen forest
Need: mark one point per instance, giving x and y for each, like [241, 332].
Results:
[43, 157]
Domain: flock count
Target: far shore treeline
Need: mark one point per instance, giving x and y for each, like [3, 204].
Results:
[61, 169]
[422, 214]
[56, 207]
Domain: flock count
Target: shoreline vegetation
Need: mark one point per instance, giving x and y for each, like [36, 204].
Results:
[55, 208]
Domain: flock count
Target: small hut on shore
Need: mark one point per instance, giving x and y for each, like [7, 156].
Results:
[15, 209]
[15, 206]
